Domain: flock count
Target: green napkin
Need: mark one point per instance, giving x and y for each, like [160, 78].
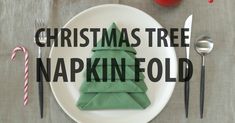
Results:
[117, 55]
[112, 45]
[117, 86]
[122, 100]
[129, 73]
[114, 95]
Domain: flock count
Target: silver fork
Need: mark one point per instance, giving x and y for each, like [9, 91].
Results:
[40, 23]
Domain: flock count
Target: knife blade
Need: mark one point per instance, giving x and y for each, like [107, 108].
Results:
[188, 25]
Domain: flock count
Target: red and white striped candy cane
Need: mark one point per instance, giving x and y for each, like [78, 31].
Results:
[26, 70]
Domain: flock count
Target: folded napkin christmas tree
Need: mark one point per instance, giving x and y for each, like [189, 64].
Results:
[128, 94]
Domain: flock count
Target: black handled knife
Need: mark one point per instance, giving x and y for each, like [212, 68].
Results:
[188, 24]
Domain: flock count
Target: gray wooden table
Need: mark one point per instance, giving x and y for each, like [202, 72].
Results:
[216, 20]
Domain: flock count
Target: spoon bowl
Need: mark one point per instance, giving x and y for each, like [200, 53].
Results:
[204, 45]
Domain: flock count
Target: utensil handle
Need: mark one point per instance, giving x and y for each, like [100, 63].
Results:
[186, 93]
[40, 92]
[202, 90]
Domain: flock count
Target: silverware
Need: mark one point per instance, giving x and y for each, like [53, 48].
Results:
[203, 46]
[39, 23]
[188, 25]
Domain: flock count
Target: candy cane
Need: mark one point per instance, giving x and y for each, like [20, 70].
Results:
[26, 75]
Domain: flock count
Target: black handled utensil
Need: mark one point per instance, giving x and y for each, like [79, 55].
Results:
[186, 94]
[187, 25]
[40, 91]
[203, 46]
[202, 90]
[39, 23]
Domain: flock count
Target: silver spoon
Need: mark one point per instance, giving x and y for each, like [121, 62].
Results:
[203, 46]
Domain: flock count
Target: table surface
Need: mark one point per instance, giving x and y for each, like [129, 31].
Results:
[216, 20]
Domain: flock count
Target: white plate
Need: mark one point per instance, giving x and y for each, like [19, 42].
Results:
[102, 16]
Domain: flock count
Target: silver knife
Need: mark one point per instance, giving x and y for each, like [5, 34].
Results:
[187, 24]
